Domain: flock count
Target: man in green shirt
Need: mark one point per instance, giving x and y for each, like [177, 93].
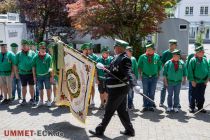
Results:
[149, 65]
[105, 59]
[92, 55]
[174, 73]
[167, 55]
[42, 72]
[6, 72]
[24, 70]
[86, 47]
[129, 52]
[198, 74]
[189, 57]
[52, 48]
[16, 83]
[33, 46]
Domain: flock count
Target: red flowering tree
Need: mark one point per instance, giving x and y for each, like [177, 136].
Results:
[130, 20]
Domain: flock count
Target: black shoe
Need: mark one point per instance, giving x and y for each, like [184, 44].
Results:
[203, 111]
[96, 133]
[23, 102]
[19, 97]
[128, 133]
[192, 110]
[145, 109]
[5, 101]
[179, 106]
[1, 97]
[161, 105]
[151, 109]
[13, 98]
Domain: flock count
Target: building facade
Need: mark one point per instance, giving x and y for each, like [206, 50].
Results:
[197, 12]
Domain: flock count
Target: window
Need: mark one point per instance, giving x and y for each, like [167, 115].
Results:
[204, 10]
[188, 10]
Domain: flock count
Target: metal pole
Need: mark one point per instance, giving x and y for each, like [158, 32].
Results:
[201, 109]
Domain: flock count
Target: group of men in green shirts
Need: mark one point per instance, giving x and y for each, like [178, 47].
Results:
[175, 73]
[196, 69]
[34, 66]
[28, 67]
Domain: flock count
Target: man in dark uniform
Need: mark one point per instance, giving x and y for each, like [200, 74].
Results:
[117, 90]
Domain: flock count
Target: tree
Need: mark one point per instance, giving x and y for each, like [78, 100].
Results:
[43, 14]
[130, 20]
[8, 6]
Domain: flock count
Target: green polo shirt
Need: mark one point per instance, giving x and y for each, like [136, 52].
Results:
[189, 58]
[166, 55]
[106, 62]
[6, 62]
[149, 69]
[93, 57]
[198, 71]
[135, 67]
[42, 66]
[174, 77]
[24, 62]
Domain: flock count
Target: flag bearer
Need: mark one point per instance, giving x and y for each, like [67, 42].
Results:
[16, 83]
[42, 73]
[6, 72]
[174, 73]
[149, 65]
[105, 59]
[198, 74]
[118, 90]
[167, 55]
[129, 51]
[24, 70]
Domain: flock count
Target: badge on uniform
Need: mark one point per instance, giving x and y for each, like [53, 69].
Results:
[116, 68]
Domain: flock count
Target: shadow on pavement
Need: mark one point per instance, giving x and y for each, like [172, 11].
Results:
[181, 116]
[69, 131]
[34, 111]
[153, 116]
[203, 117]
[107, 138]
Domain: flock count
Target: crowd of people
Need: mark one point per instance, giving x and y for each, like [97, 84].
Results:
[33, 67]
[28, 67]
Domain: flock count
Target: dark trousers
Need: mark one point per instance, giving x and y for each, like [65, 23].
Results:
[117, 101]
[190, 92]
[198, 96]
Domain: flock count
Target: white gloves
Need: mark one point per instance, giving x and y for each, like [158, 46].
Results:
[136, 89]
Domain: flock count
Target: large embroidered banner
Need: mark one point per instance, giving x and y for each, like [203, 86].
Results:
[75, 83]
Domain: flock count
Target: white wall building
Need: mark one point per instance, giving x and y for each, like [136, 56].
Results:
[11, 30]
[197, 12]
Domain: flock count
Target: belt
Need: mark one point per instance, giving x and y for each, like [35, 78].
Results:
[102, 77]
[5, 71]
[116, 85]
[196, 78]
[25, 70]
[149, 75]
[174, 81]
[43, 74]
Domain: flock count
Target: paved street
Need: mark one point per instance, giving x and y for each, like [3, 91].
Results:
[156, 125]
